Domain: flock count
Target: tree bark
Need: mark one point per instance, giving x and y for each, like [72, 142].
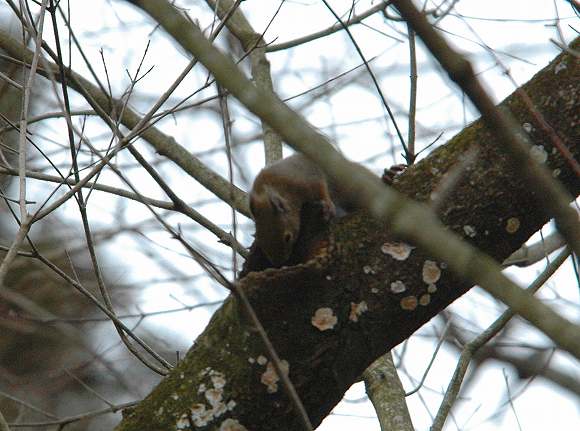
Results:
[378, 301]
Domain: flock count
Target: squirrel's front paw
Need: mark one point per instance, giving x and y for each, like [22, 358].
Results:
[390, 174]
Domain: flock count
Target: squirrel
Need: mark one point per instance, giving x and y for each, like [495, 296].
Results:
[282, 190]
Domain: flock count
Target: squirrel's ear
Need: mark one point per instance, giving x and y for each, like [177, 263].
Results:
[278, 204]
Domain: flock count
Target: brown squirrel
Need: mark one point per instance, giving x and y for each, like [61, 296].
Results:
[279, 194]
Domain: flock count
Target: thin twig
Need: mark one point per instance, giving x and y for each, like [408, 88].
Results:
[413, 96]
[26, 103]
[375, 82]
[76, 418]
[355, 19]
[471, 348]
[431, 361]
[226, 125]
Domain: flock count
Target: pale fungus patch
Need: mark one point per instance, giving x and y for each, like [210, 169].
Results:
[397, 250]
[218, 380]
[398, 286]
[198, 409]
[431, 288]
[538, 153]
[431, 272]
[527, 127]
[262, 360]
[357, 309]
[270, 377]
[425, 299]
[324, 319]
[182, 422]
[512, 225]
[232, 425]
[469, 231]
[409, 303]
[200, 416]
[556, 172]
[214, 396]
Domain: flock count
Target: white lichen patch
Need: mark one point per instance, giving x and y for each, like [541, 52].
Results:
[251, 360]
[357, 309]
[469, 230]
[539, 153]
[201, 414]
[232, 425]
[204, 372]
[270, 377]
[556, 172]
[324, 319]
[262, 360]
[398, 286]
[431, 272]
[512, 225]
[367, 269]
[528, 128]
[431, 288]
[425, 299]
[374, 290]
[409, 303]
[397, 250]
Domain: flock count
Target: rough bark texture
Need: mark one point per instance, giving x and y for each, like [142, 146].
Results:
[220, 381]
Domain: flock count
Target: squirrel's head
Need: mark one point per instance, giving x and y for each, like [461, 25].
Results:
[277, 225]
